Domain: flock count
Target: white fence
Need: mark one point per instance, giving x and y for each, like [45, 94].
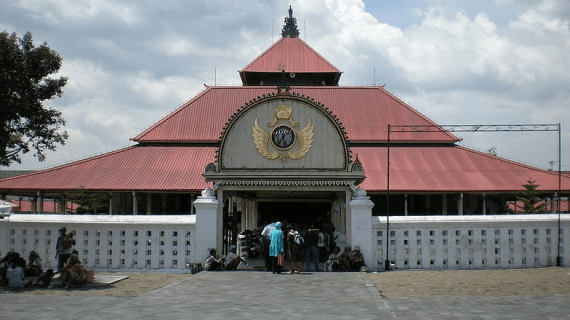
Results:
[103, 241]
[424, 242]
[471, 242]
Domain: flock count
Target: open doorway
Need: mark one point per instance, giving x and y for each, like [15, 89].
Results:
[294, 212]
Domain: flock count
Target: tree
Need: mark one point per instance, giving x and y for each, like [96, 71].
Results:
[86, 200]
[530, 198]
[24, 85]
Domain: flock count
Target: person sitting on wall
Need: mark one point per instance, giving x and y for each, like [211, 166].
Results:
[356, 259]
[34, 268]
[333, 262]
[73, 272]
[232, 259]
[213, 263]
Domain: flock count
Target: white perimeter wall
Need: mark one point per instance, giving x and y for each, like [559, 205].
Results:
[428, 242]
[471, 242]
[103, 241]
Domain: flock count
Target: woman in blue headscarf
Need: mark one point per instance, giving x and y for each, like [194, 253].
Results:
[276, 247]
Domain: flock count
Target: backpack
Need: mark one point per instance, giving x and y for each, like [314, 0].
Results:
[299, 241]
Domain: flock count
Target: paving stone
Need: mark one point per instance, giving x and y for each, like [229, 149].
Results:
[249, 295]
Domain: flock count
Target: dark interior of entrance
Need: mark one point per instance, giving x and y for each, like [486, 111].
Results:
[294, 212]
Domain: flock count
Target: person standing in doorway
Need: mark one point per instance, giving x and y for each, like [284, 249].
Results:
[276, 247]
[311, 250]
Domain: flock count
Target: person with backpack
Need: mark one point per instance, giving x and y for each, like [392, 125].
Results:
[295, 250]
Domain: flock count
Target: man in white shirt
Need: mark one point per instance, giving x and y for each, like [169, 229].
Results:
[333, 263]
[213, 263]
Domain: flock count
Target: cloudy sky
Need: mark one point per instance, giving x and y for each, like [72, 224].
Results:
[130, 63]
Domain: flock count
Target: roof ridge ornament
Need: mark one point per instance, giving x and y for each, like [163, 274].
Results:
[290, 28]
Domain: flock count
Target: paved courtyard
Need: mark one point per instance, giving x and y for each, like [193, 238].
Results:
[255, 295]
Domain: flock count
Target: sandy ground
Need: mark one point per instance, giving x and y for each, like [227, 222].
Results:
[541, 281]
[135, 285]
[509, 282]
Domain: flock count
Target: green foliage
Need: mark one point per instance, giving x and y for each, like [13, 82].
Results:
[84, 198]
[24, 85]
[530, 197]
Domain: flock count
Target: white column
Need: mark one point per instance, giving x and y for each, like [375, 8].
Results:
[135, 204]
[206, 226]
[361, 226]
[110, 203]
[40, 202]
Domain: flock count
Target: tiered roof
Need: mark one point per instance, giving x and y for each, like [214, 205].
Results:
[171, 154]
[364, 111]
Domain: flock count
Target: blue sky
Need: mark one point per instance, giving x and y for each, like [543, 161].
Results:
[130, 62]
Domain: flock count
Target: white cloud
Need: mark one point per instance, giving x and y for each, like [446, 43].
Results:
[62, 11]
[129, 63]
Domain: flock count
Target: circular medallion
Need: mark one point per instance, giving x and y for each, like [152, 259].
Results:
[283, 137]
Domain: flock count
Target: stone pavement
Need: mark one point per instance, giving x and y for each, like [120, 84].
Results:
[255, 295]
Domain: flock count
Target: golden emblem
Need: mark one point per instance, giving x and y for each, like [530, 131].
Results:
[283, 137]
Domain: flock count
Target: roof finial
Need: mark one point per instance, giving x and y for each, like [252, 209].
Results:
[290, 29]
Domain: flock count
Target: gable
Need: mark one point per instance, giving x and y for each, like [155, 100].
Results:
[283, 133]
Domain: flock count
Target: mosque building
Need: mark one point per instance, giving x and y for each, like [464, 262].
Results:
[291, 144]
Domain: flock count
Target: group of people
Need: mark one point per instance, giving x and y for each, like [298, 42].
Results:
[345, 261]
[308, 247]
[16, 273]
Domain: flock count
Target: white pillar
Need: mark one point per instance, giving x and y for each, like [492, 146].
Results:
[135, 204]
[206, 235]
[484, 205]
[40, 202]
[110, 203]
[361, 226]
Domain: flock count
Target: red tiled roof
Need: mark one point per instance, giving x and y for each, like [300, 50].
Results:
[141, 168]
[49, 206]
[449, 169]
[364, 111]
[294, 55]
[179, 168]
